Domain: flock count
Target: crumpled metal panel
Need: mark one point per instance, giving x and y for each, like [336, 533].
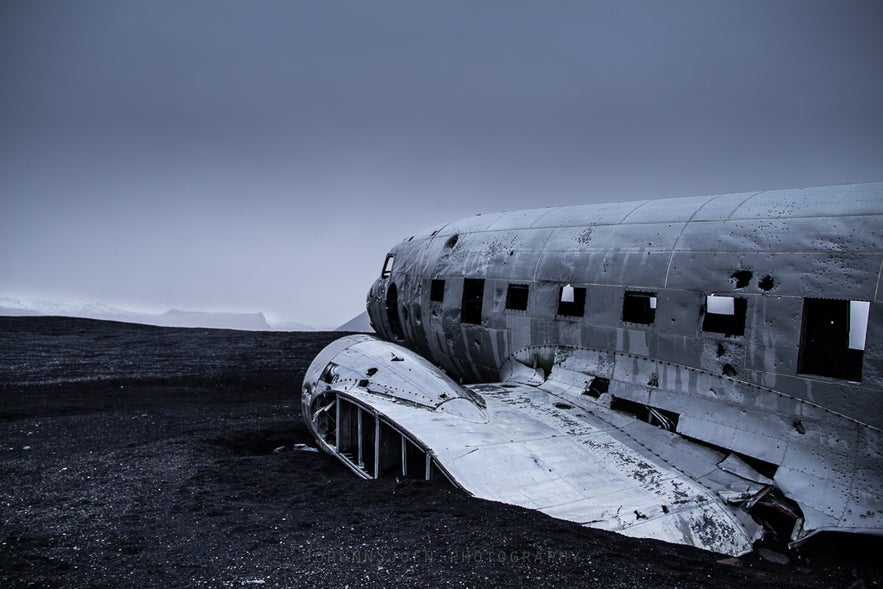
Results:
[819, 460]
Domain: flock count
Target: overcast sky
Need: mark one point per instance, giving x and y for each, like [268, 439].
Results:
[264, 156]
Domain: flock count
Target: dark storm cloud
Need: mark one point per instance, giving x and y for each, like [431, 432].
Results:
[200, 153]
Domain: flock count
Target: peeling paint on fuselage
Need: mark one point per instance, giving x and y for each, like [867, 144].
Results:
[752, 384]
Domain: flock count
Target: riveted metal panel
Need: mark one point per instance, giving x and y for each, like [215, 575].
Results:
[598, 214]
[599, 336]
[678, 311]
[743, 393]
[656, 237]
[521, 219]
[519, 329]
[769, 363]
[679, 349]
[722, 207]
[774, 321]
[820, 201]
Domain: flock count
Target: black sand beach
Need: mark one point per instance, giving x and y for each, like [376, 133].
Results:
[136, 456]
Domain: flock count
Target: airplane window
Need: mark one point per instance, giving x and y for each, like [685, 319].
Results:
[572, 301]
[639, 307]
[387, 266]
[516, 297]
[725, 315]
[832, 339]
[473, 295]
[437, 291]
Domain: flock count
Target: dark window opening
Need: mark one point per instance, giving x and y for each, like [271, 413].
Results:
[387, 266]
[473, 295]
[766, 283]
[832, 338]
[437, 291]
[725, 315]
[572, 301]
[367, 435]
[597, 387]
[452, 241]
[639, 307]
[392, 312]
[516, 297]
[348, 430]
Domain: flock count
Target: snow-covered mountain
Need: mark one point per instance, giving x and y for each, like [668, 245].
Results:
[171, 318]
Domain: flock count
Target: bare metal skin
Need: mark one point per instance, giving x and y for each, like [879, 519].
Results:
[679, 369]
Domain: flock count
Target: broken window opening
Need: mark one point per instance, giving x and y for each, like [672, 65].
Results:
[639, 307]
[516, 297]
[572, 301]
[473, 296]
[452, 241]
[367, 458]
[832, 339]
[597, 387]
[387, 266]
[437, 291]
[392, 312]
[661, 418]
[725, 315]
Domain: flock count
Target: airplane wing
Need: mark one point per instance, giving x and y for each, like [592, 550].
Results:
[528, 441]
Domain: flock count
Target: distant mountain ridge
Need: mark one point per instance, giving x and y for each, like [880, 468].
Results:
[171, 318]
[361, 323]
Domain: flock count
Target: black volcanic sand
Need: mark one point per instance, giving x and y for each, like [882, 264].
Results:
[135, 456]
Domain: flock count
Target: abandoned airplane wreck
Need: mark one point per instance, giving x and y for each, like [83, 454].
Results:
[698, 370]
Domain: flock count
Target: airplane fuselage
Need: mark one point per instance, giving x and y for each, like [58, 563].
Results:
[747, 323]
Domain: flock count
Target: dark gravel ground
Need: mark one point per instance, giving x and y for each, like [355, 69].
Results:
[135, 456]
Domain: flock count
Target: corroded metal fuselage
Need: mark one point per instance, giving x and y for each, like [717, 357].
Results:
[732, 345]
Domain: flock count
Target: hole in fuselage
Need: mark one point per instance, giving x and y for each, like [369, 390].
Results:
[742, 278]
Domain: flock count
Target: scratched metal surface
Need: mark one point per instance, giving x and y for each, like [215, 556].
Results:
[820, 242]
[546, 450]
[739, 392]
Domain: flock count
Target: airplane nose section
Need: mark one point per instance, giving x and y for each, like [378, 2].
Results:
[383, 309]
[374, 304]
